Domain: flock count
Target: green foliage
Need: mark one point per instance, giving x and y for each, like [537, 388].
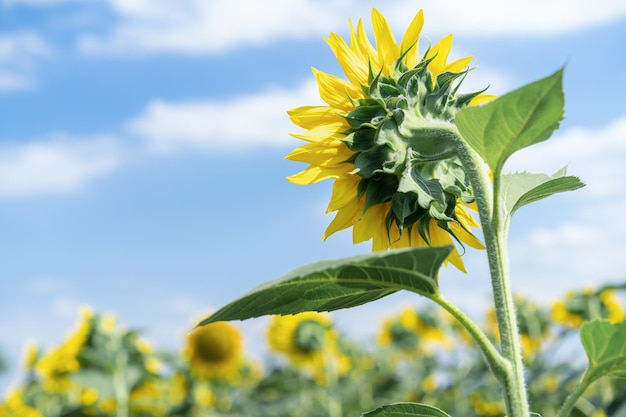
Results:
[514, 121]
[342, 283]
[406, 410]
[422, 357]
[522, 188]
[605, 345]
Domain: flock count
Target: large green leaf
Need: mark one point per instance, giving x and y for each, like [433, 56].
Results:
[341, 283]
[521, 188]
[514, 121]
[406, 410]
[605, 344]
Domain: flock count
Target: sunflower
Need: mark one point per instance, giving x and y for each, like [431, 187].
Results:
[588, 305]
[304, 338]
[57, 364]
[534, 325]
[214, 351]
[14, 406]
[410, 330]
[384, 137]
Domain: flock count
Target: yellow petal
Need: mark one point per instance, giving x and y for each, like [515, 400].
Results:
[439, 53]
[315, 174]
[308, 117]
[353, 65]
[481, 99]
[458, 65]
[360, 44]
[464, 236]
[386, 45]
[371, 223]
[321, 155]
[336, 92]
[321, 132]
[345, 191]
[411, 39]
[344, 218]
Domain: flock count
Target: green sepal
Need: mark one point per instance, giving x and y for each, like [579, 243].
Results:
[342, 283]
[522, 188]
[361, 140]
[365, 114]
[604, 343]
[430, 193]
[379, 189]
[514, 121]
[406, 410]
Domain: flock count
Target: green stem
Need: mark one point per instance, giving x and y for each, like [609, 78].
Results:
[496, 362]
[120, 385]
[495, 235]
[573, 397]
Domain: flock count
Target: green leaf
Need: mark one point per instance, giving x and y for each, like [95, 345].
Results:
[514, 121]
[605, 345]
[342, 283]
[406, 410]
[521, 188]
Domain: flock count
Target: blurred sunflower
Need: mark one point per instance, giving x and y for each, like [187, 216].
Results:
[534, 325]
[306, 339]
[55, 366]
[586, 305]
[486, 406]
[214, 351]
[385, 138]
[414, 332]
[14, 406]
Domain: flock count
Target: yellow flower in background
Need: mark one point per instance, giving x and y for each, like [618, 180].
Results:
[533, 322]
[579, 307]
[215, 351]
[304, 338]
[486, 407]
[414, 332]
[14, 406]
[384, 138]
[55, 366]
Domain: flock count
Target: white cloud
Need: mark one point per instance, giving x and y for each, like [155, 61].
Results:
[490, 18]
[235, 125]
[596, 155]
[18, 54]
[581, 239]
[59, 165]
[198, 26]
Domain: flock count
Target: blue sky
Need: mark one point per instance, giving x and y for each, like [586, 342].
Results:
[142, 145]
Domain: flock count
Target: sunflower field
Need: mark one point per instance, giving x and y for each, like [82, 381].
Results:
[312, 369]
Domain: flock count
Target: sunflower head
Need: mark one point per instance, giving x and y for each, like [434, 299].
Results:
[414, 332]
[55, 366]
[386, 137]
[303, 338]
[214, 351]
[586, 305]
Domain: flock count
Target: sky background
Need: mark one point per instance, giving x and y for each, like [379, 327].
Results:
[142, 146]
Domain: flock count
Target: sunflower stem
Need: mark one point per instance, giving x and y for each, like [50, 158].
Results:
[495, 361]
[495, 232]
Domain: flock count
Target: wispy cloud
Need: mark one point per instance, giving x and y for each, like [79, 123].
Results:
[19, 53]
[197, 26]
[55, 166]
[586, 245]
[244, 122]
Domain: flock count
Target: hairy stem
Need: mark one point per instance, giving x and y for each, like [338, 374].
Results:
[495, 234]
[492, 356]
